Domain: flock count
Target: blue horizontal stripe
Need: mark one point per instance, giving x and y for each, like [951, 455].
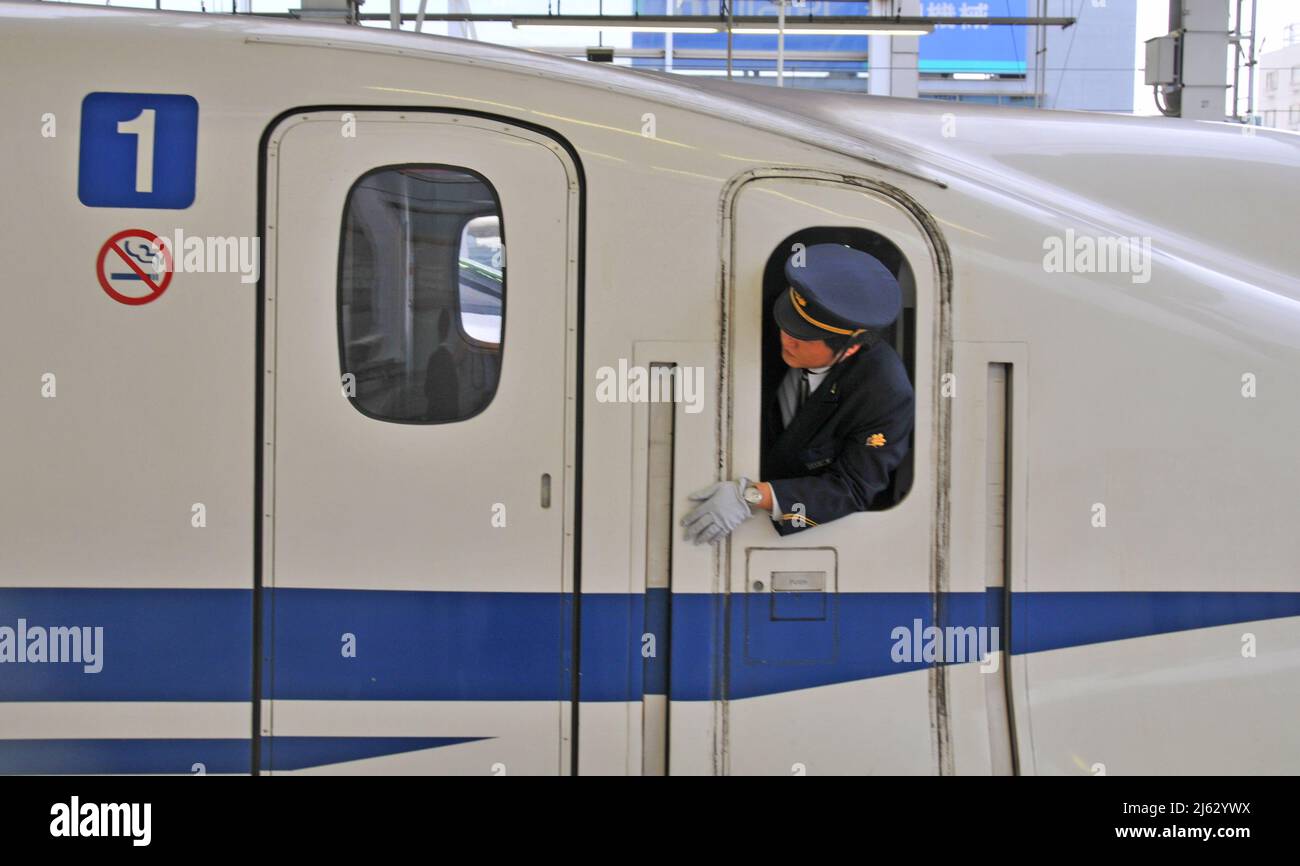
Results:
[854, 642]
[612, 667]
[972, 608]
[167, 756]
[655, 642]
[158, 644]
[194, 645]
[699, 633]
[1056, 620]
[420, 646]
[119, 757]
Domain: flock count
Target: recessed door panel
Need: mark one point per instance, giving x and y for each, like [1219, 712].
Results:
[419, 456]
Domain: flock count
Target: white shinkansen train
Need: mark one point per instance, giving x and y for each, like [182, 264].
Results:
[299, 477]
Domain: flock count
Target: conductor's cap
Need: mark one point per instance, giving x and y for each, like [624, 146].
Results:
[836, 291]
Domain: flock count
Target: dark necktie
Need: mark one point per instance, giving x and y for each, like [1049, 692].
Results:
[803, 390]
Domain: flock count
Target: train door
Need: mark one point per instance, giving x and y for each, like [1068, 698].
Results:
[420, 339]
[822, 675]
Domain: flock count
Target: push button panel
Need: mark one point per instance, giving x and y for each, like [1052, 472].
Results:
[791, 610]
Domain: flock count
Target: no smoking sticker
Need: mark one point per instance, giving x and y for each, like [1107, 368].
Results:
[134, 267]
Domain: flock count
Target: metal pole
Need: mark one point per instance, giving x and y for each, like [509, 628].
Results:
[729, 20]
[1040, 58]
[419, 16]
[669, 8]
[1250, 66]
[780, 43]
[880, 56]
[1236, 64]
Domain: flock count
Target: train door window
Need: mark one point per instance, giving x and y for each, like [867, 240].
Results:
[900, 337]
[421, 294]
[481, 266]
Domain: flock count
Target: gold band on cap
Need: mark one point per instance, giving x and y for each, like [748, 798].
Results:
[797, 301]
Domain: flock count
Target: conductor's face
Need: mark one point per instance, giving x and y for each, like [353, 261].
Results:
[808, 353]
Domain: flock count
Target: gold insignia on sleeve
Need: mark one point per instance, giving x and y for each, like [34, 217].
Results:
[875, 440]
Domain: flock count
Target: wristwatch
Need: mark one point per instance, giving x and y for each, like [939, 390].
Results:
[753, 495]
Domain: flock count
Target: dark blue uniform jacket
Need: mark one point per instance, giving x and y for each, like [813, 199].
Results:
[843, 444]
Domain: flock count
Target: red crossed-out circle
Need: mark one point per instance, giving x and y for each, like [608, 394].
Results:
[155, 289]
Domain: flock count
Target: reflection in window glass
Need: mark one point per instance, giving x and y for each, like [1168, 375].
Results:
[421, 294]
[481, 261]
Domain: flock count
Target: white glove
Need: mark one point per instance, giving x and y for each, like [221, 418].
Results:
[722, 508]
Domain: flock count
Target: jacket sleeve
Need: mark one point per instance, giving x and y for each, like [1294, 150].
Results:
[868, 453]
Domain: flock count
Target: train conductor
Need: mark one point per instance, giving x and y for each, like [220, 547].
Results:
[838, 423]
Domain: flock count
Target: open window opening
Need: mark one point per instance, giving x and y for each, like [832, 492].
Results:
[901, 335]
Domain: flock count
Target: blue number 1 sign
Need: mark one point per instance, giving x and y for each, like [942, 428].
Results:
[138, 150]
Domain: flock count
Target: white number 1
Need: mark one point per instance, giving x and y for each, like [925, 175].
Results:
[141, 126]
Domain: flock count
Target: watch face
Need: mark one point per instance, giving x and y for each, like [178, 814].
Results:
[753, 494]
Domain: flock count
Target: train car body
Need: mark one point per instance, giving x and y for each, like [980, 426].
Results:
[340, 490]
